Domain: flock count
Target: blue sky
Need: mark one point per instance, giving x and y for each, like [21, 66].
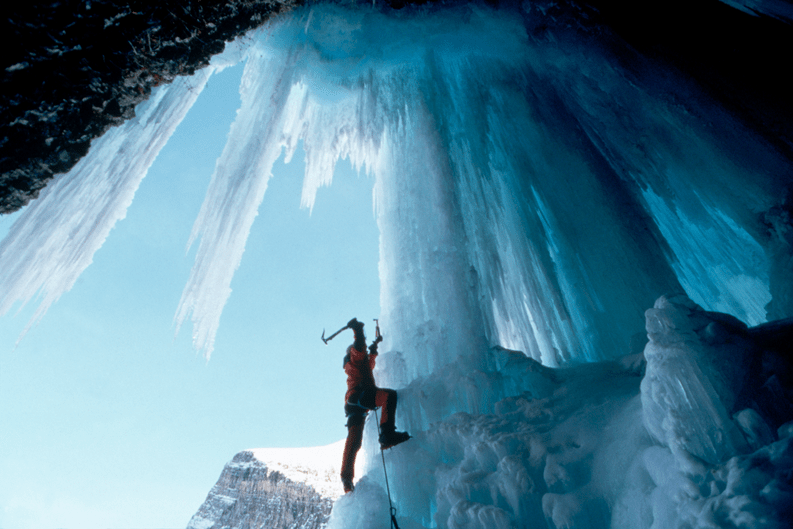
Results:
[108, 421]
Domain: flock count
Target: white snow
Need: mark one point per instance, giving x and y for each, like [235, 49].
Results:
[201, 523]
[318, 466]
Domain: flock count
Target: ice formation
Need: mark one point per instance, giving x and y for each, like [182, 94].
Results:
[620, 444]
[533, 195]
[493, 154]
[779, 9]
[55, 238]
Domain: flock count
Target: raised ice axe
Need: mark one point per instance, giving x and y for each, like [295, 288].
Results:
[332, 336]
[377, 336]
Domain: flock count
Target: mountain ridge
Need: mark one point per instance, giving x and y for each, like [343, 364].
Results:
[277, 488]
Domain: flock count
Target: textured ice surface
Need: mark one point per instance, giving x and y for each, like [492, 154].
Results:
[367, 506]
[670, 443]
[55, 239]
[530, 192]
[780, 9]
[693, 380]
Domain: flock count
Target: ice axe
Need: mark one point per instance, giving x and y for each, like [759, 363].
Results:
[332, 336]
[378, 337]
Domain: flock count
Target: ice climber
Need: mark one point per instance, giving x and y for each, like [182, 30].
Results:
[364, 395]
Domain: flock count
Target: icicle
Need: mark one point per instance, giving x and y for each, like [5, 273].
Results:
[237, 188]
[56, 237]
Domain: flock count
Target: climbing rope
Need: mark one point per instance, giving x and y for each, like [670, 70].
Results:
[394, 524]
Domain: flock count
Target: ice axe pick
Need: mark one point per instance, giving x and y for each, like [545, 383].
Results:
[329, 338]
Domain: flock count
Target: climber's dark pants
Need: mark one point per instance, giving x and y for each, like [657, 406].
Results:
[356, 409]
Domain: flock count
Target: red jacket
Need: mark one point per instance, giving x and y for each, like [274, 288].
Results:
[358, 365]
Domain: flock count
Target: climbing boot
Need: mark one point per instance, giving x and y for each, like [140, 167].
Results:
[391, 438]
[348, 486]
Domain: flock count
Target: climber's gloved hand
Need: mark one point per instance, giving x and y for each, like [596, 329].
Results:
[360, 339]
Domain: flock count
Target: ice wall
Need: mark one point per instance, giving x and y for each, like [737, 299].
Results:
[695, 437]
[529, 191]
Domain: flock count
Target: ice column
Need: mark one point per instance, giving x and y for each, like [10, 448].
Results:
[428, 286]
[530, 192]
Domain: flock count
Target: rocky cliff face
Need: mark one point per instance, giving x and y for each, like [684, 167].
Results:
[274, 489]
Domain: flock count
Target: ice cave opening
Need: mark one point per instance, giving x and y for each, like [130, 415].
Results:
[585, 267]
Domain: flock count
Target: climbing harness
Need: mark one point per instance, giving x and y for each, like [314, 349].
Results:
[394, 524]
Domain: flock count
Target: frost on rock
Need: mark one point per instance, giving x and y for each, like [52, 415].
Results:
[318, 467]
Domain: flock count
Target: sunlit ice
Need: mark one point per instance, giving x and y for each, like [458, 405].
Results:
[533, 200]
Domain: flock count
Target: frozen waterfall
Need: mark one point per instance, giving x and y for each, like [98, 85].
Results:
[527, 195]
[530, 195]
[534, 199]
